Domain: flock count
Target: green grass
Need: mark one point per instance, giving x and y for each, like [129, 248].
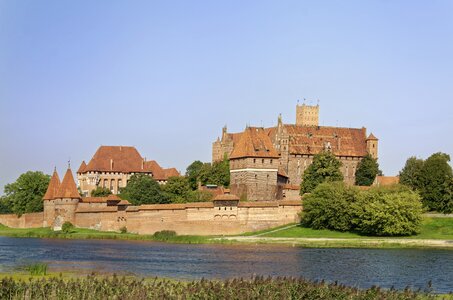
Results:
[82, 233]
[432, 228]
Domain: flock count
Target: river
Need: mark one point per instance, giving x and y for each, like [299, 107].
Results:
[354, 267]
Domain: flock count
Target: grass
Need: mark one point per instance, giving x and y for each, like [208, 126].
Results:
[82, 233]
[432, 228]
[115, 287]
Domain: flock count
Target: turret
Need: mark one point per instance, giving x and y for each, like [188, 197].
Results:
[49, 199]
[66, 201]
[372, 146]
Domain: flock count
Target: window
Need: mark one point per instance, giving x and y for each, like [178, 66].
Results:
[271, 161]
[262, 161]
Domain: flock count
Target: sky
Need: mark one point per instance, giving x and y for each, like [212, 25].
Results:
[166, 76]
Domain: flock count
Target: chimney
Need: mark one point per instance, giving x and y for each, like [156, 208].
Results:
[111, 164]
[143, 163]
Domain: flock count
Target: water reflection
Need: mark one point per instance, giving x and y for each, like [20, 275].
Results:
[355, 267]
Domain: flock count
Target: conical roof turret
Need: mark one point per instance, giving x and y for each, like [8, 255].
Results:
[372, 137]
[68, 187]
[53, 187]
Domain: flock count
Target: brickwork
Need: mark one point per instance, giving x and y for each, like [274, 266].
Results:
[307, 115]
[30, 220]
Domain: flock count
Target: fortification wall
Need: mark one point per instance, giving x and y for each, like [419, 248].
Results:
[30, 220]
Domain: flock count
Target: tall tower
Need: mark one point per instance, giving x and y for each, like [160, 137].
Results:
[372, 146]
[66, 200]
[307, 115]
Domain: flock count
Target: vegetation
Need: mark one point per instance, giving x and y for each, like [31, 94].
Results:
[177, 189]
[37, 269]
[391, 211]
[164, 235]
[325, 168]
[67, 227]
[193, 174]
[433, 179]
[367, 170]
[25, 195]
[217, 173]
[114, 287]
[123, 229]
[142, 189]
[101, 192]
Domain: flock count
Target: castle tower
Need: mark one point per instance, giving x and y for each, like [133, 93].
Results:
[372, 146]
[49, 196]
[307, 115]
[254, 166]
[66, 201]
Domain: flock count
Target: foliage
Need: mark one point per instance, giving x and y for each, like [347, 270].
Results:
[123, 229]
[393, 211]
[114, 287]
[5, 205]
[435, 183]
[142, 189]
[366, 172]
[25, 195]
[328, 207]
[410, 175]
[164, 235]
[67, 227]
[193, 173]
[101, 192]
[200, 196]
[37, 269]
[384, 211]
[325, 168]
[177, 189]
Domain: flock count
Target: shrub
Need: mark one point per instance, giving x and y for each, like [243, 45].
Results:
[164, 235]
[123, 229]
[388, 212]
[329, 207]
[101, 192]
[37, 269]
[67, 227]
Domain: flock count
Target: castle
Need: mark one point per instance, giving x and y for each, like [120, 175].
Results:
[268, 163]
[112, 166]
[224, 215]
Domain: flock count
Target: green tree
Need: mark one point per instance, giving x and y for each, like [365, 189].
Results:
[329, 207]
[325, 168]
[411, 173]
[5, 206]
[101, 192]
[193, 173]
[387, 211]
[366, 172]
[142, 189]
[177, 189]
[25, 195]
[435, 182]
[220, 173]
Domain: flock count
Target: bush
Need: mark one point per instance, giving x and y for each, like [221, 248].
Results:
[329, 207]
[164, 235]
[67, 227]
[387, 211]
[37, 269]
[101, 192]
[123, 229]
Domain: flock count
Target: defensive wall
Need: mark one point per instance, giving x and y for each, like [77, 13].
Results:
[200, 218]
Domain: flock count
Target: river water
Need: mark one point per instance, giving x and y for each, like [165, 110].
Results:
[354, 267]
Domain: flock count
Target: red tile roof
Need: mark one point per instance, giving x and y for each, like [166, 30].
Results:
[124, 159]
[82, 167]
[68, 187]
[312, 140]
[254, 142]
[226, 197]
[53, 187]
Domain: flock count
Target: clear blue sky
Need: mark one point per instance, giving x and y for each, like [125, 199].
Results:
[166, 76]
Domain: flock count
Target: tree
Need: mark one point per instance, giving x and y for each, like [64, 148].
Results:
[177, 189]
[435, 182]
[101, 192]
[366, 172]
[329, 207]
[387, 211]
[325, 168]
[142, 189]
[5, 206]
[220, 173]
[411, 173]
[25, 195]
[193, 173]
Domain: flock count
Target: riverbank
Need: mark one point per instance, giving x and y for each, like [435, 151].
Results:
[101, 287]
[435, 233]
